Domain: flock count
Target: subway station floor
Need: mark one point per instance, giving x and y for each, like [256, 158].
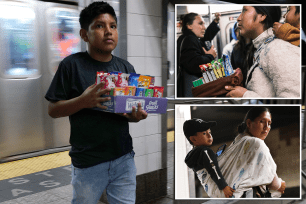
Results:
[46, 180]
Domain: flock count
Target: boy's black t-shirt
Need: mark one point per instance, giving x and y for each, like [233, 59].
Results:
[95, 136]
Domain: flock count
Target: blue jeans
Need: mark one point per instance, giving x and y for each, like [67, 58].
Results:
[118, 177]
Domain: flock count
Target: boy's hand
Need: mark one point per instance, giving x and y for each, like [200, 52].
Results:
[136, 116]
[282, 188]
[228, 191]
[91, 97]
[276, 27]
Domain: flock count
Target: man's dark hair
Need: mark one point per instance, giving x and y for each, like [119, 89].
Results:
[89, 13]
[273, 14]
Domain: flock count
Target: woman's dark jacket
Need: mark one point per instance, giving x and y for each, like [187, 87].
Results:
[191, 56]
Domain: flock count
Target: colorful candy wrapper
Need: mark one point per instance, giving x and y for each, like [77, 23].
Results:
[149, 93]
[117, 91]
[211, 71]
[227, 64]
[98, 77]
[140, 92]
[144, 81]
[125, 79]
[130, 90]
[152, 82]
[133, 79]
[158, 91]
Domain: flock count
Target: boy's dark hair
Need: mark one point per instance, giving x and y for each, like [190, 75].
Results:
[89, 13]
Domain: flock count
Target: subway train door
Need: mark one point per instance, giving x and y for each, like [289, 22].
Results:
[61, 37]
[21, 127]
[227, 21]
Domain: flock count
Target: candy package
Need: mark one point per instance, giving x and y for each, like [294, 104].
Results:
[133, 79]
[144, 81]
[158, 91]
[140, 92]
[149, 93]
[117, 91]
[130, 90]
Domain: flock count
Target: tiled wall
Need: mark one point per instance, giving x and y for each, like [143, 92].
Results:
[144, 52]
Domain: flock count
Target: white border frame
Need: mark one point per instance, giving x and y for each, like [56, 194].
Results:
[233, 199]
[175, 37]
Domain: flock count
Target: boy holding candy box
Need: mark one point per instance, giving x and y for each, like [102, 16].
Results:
[99, 140]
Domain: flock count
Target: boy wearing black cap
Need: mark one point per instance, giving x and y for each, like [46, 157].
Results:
[198, 133]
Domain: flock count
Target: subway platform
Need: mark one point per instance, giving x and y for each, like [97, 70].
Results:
[46, 180]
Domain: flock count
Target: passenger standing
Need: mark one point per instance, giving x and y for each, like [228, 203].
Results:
[275, 69]
[191, 52]
[101, 146]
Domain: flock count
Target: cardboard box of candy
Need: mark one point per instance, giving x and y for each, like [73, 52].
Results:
[124, 104]
[127, 90]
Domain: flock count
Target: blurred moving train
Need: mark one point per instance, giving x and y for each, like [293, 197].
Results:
[35, 37]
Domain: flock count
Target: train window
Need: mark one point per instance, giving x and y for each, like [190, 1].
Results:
[63, 35]
[18, 36]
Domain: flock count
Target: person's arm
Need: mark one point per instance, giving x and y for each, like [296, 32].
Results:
[90, 98]
[212, 166]
[212, 30]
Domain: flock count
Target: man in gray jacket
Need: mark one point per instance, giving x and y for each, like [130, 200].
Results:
[275, 68]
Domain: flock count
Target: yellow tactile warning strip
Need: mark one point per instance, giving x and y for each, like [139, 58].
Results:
[32, 165]
[170, 136]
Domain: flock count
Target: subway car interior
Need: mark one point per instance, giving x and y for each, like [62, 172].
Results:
[37, 34]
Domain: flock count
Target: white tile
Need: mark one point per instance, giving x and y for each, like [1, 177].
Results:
[153, 7]
[141, 163]
[139, 145]
[135, 46]
[135, 6]
[158, 81]
[153, 66]
[154, 161]
[153, 143]
[153, 26]
[138, 129]
[152, 126]
[138, 63]
[153, 47]
[136, 24]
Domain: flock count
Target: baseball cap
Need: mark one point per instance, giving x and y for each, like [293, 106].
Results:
[191, 127]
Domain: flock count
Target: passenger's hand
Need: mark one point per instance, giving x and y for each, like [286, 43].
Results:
[228, 191]
[235, 91]
[212, 51]
[136, 116]
[91, 97]
[276, 27]
[282, 188]
[217, 17]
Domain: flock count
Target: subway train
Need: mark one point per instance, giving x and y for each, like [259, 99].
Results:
[35, 37]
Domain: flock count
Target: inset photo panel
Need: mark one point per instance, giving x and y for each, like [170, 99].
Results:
[238, 51]
[231, 152]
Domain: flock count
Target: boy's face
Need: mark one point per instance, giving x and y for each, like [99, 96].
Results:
[249, 22]
[102, 34]
[292, 18]
[202, 138]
